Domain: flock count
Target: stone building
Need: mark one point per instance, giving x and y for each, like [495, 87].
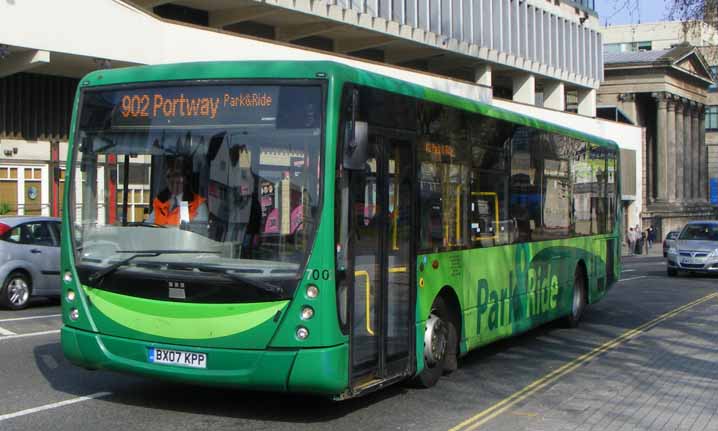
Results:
[665, 92]
[665, 35]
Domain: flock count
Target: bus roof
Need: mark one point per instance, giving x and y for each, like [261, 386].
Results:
[429, 87]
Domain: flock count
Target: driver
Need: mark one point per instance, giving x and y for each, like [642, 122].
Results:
[178, 203]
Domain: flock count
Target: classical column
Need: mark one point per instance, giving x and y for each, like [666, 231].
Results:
[671, 162]
[661, 164]
[677, 163]
[649, 167]
[703, 154]
[687, 150]
[695, 175]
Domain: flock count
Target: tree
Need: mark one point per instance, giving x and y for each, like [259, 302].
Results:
[691, 12]
[696, 16]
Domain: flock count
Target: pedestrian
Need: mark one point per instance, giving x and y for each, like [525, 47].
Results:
[631, 240]
[651, 236]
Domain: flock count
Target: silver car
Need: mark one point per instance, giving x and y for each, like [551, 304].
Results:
[29, 259]
[695, 250]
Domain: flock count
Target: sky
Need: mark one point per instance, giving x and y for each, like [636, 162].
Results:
[615, 12]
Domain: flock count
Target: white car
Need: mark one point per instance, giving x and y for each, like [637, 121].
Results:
[695, 249]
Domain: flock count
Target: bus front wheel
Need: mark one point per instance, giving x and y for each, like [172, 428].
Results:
[578, 300]
[439, 340]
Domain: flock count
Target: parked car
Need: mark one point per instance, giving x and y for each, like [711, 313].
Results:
[669, 241]
[29, 259]
[695, 250]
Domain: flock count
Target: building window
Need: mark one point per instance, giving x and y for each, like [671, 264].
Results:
[644, 46]
[612, 48]
[714, 72]
[712, 118]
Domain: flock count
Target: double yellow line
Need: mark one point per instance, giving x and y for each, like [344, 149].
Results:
[495, 410]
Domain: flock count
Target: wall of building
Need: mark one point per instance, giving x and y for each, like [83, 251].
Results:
[662, 35]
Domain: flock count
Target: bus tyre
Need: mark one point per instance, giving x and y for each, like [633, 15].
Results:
[578, 301]
[437, 344]
[15, 293]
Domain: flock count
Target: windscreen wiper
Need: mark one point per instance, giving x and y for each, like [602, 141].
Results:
[99, 275]
[262, 285]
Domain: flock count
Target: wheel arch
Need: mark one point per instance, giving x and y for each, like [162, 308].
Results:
[16, 266]
[451, 300]
[581, 264]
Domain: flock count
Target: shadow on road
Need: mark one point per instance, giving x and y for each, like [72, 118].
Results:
[485, 376]
[133, 390]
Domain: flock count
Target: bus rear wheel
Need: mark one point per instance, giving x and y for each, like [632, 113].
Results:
[578, 301]
[439, 340]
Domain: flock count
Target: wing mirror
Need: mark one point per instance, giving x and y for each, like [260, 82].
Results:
[356, 150]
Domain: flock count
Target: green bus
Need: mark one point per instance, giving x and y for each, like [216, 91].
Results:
[320, 228]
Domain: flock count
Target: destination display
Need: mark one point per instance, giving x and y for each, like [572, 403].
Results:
[210, 105]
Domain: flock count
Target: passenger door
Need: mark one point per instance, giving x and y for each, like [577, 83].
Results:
[381, 201]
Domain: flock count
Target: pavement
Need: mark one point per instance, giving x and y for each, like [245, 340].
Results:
[655, 251]
[642, 359]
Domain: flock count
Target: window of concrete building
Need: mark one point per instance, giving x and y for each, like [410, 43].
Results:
[712, 118]
[714, 71]
[628, 47]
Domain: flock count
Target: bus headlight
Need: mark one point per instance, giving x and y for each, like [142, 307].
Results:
[672, 250]
[302, 333]
[70, 295]
[74, 314]
[307, 313]
[67, 277]
[312, 291]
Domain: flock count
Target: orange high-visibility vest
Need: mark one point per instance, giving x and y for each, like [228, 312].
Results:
[163, 215]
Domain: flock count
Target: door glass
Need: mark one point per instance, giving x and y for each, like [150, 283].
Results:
[398, 236]
[56, 232]
[366, 244]
[37, 234]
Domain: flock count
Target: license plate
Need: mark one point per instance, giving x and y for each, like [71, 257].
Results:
[687, 260]
[177, 357]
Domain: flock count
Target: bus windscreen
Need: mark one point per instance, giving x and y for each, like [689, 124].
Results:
[211, 188]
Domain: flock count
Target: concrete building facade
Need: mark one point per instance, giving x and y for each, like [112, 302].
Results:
[529, 51]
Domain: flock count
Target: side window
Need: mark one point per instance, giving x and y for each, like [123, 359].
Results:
[600, 177]
[443, 175]
[56, 229]
[557, 153]
[490, 221]
[613, 198]
[583, 179]
[37, 234]
[527, 192]
[14, 235]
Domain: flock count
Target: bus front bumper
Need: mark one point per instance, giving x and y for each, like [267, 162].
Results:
[318, 370]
